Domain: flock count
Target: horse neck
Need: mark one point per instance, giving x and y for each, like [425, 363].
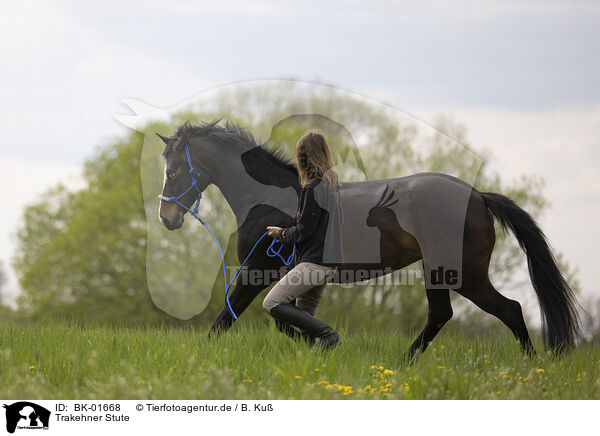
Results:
[240, 189]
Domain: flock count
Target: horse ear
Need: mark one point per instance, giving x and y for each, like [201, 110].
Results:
[164, 138]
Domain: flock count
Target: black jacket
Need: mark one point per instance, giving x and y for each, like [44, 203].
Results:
[316, 230]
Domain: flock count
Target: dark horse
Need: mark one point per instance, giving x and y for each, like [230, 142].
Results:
[410, 220]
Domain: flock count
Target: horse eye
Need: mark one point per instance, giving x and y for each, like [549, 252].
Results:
[171, 174]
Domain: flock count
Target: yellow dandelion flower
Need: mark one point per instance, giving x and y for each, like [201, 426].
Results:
[32, 367]
[540, 371]
[317, 369]
[388, 372]
[298, 377]
[380, 368]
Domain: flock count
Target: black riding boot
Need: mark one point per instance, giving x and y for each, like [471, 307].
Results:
[290, 331]
[325, 337]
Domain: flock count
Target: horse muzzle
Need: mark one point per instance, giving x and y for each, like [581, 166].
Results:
[172, 223]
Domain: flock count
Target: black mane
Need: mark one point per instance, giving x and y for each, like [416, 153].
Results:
[232, 133]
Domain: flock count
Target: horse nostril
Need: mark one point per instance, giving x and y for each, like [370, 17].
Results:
[165, 221]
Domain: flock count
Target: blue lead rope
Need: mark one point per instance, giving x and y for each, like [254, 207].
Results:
[271, 252]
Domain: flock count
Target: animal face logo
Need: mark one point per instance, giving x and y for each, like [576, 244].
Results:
[381, 211]
[26, 415]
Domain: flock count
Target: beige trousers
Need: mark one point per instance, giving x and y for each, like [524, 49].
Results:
[304, 283]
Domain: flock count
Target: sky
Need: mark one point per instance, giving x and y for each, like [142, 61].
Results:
[521, 77]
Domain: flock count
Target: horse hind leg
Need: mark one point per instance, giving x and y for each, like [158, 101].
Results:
[487, 298]
[440, 312]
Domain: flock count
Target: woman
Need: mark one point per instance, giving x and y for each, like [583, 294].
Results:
[317, 235]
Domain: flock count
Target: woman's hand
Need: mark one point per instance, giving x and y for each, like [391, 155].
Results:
[273, 231]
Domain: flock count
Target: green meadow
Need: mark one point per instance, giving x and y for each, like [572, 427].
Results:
[66, 361]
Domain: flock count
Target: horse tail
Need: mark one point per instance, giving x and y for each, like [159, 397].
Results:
[561, 324]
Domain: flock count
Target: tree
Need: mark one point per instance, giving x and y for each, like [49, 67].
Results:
[85, 252]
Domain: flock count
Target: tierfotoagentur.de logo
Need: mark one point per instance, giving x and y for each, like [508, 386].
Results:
[26, 415]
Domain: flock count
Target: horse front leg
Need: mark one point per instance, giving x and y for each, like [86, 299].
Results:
[244, 291]
[240, 298]
[223, 323]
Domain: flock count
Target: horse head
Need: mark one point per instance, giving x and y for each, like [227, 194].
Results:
[183, 183]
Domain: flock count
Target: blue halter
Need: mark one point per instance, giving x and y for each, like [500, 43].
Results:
[271, 252]
[194, 185]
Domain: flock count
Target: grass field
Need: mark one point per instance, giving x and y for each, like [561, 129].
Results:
[62, 361]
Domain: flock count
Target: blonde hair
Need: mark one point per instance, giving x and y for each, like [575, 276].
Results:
[314, 160]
